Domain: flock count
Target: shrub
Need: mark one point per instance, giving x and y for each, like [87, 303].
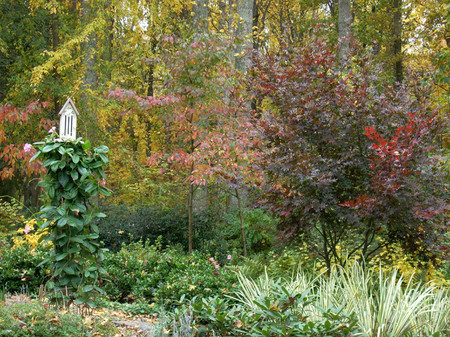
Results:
[10, 216]
[260, 231]
[126, 225]
[384, 306]
[20, 267]
[282, 312]
[163, 275]
[348, 160]
[34, 320]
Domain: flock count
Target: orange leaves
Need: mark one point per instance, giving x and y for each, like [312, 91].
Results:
[15, 126]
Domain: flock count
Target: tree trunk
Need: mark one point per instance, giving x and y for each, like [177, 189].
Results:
[397, 43]
[54, 19]
[90, 79]
[344, 30]
[190, 218]
[244, 32]
[241, 218]
[332, 4]
[200, 10]
[255, 24]
[223, 23]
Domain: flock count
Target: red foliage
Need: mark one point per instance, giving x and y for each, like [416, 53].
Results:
[15, 126]
[346, 155]
[203, 116]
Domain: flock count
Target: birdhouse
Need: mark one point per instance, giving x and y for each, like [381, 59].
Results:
[68, 121]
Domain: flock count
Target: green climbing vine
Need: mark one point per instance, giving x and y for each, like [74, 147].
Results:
[74, 175]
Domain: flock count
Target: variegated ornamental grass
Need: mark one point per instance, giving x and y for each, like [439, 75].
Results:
[386, 304]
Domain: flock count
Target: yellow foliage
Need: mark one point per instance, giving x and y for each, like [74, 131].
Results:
[29, 234]
[396, 258]
[10, 215]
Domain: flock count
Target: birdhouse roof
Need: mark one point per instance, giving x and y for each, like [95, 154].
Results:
[69, 101]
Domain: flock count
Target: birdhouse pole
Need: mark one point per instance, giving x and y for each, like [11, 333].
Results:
[68, 121]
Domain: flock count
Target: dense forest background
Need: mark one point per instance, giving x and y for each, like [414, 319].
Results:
[241, 125]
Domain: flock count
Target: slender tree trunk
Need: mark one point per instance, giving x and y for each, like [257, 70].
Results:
[344, 29]
[200, 10]
[326, 251]
[244, 32]
[241, 218]
[255, 22]
[90, 79]
[397, 43]
[55, 44]
[150, 80]
[109, 40]
[222, 20]
[375, 45]
[190, 218]
[332, 4]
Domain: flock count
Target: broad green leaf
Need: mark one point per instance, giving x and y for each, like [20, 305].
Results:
[99, 215]
[74, 174]
[87, 288]
[75, 222]
[50, 147]
[102, 149]
[61, 222]
[71, 194]
[82, 170]
[51, 192]
[61, 211]
[63, 178]
[69, 270]
[104, 159]
[74, 250]
[37, 154]
[61, 256]
[87, 145]
[78, 239]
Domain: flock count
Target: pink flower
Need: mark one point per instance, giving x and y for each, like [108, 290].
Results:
[27, 229]
[216, 265]
[229, 257]
[52, 130]
[211, 259]
[76, 261]
[27, 147]
[103, 182]
[145, 261]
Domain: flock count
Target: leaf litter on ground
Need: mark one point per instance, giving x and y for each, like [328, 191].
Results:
[126, 323]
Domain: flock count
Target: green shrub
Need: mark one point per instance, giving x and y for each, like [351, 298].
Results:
[19, 267]
[163, 275]
[385, 307]
[260, 230]
[34, 320]
[125, 225]
[10, 216]
[281, 313]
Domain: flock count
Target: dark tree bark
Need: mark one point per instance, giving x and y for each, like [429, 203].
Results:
[241, 219]
[397, 41]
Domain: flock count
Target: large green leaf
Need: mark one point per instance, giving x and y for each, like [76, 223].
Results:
[50, 147]
[61, 256]
[102, 149]
[75, 158]
[63, 178]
